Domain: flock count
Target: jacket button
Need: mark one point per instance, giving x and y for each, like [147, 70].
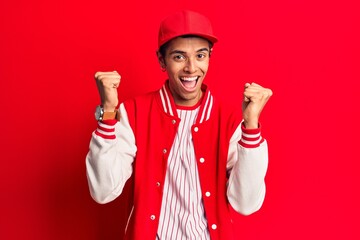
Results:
[196, 129]
[164, 150]
[213, 226]
[158, 184]
[202, 160]
[207, 194]
[173, 121]
[152, 217]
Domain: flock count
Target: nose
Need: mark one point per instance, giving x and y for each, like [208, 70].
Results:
[190, 66]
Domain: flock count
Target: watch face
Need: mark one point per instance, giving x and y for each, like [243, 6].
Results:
[99, 113]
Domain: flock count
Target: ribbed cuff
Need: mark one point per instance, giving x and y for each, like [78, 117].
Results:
[106, 129]
[250, 138]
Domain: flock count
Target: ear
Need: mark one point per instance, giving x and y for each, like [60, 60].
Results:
[210, 52]
[161, 60]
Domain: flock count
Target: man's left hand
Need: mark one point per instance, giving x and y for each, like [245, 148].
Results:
[255, 98]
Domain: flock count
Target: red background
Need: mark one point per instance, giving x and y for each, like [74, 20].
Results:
[306, 51]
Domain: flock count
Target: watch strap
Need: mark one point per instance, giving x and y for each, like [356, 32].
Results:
[109, 115]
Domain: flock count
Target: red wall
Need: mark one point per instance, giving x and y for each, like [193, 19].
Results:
[306, 51]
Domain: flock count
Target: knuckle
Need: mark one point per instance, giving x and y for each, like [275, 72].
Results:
[268, 93]
[96, 75]
[99, 76]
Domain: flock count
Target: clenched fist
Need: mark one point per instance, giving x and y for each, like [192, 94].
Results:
[255, 98]
[107, 84]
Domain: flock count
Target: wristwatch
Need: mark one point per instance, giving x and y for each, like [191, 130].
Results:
[100, 114]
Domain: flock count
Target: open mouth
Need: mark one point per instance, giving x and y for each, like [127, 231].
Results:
[189, 82]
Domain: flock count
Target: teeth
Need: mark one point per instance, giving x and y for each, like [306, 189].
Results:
[189, 78]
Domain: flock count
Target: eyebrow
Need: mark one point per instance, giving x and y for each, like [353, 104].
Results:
[182, 52]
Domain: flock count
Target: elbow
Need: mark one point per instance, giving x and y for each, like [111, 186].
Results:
[247, 206]
[101, 193]
[102, 197]
[246, 211]
[98, 199]
[102, 189]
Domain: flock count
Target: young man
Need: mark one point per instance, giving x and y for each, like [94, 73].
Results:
[192, 157]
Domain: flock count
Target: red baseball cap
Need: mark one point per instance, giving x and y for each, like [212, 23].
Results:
[185, 23]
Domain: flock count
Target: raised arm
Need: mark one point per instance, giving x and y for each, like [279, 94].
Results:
[248, 154]
[112, 147]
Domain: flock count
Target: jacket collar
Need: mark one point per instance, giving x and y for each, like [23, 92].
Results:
[169, 107]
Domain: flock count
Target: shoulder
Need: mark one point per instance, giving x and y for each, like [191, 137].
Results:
[142, 98]
[227, 107]
[142, 104]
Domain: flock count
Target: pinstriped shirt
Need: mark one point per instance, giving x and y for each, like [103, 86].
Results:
[182, 211]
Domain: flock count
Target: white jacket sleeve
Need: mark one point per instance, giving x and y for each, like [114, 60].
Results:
[109, 160]
[247, 165]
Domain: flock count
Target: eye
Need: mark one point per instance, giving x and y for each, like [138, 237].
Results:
[201, 55]
[179, 57]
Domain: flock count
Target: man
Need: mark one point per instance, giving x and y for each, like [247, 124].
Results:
[192, 157]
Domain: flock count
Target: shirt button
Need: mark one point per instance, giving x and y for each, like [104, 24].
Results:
[158, 184]
[164, 150]
[173, 121]
[202, 160]
[152, 217]
[207, 194]
[213, 226]
[196, 129]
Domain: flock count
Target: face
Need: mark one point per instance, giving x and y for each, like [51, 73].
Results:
[186, 62]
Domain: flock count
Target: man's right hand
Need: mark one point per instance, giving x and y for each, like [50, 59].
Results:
[107, 84]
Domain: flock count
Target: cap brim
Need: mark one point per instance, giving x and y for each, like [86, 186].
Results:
[208, 37]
